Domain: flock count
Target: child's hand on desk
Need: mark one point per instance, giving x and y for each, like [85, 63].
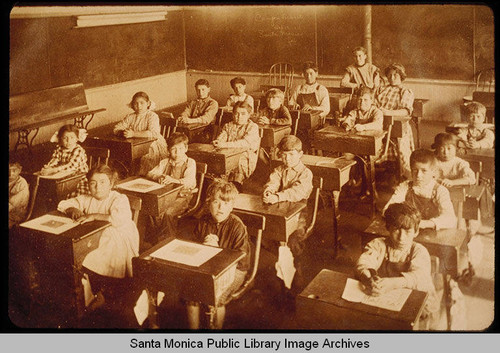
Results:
[264, 120]
[472, 144]
[383, 285]
[427, 224]
[218, 144]
[447, 182]
[166, 179]
[212, 240]
[183, 120]
[86, 218]
[270, 198]
[47, 171]
[359, 127]
[74, 213]
[306, 107]
[128, 133]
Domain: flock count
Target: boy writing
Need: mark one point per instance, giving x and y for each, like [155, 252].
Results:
[398, 261]
[425, 194]
[177, 169]
[220, 228]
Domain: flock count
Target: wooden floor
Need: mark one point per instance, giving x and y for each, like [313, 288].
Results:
[265, 307]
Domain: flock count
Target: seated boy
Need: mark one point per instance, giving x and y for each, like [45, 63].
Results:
[397, 261]
[476, 135]
[425, 194]
[291, 181]
[201, 110]
[221, 228]
[19, 194]
[238, 84]
[177, 169]
[241, 133]
[275, 113]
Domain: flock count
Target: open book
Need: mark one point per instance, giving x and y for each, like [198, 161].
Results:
[392, 300]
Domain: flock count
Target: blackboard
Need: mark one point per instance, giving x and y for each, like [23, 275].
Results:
[248, 38]
[431, 41]
[50, 52]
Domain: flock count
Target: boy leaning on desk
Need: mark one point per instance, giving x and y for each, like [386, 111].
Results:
[398, 261]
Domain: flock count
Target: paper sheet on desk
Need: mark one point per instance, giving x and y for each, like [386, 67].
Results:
[186, 253]
[392, 300]
[51, 224]
[284, 267]
[139, 185]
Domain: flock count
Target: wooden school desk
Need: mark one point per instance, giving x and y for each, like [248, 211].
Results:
[449, 245]
[127, 151]
[154, 202]
[220, 161]
[201, 284]
[51, 191]
[320, 306]
[308, 120]
[58, 265]
[198, 132]
[335, 173]
[364, 143]
[417, 114]
[454, 128]
[484, 155]
[282, 218]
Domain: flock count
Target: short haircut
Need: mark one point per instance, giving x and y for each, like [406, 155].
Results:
[444, 138]
[422, 155]
[402, 215]
[176, 138]
[68, 128]
[363, 49]
[366, 90]
[275, 92]
[309, 65]
[139, 94]
[17, 164]
[223, 189]
[400, 69]
[202, 82]
[290, 143]
[103, 169]
[475, 108]
[242, 104]
[236, 80]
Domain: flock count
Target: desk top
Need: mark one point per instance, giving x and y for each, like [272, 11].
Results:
[214, 266]
[273, 127]
[208, 148]
[254, 204]
[484, 153]
[327, 162]
[334, 138]
[328, 286]
[105, 132]
[191, 127]
[164, 190]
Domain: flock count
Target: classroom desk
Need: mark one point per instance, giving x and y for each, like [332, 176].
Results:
[201, 284]
[51, 191]
[308, 120]
[154, 202]
[58, 268]
[272, 134]
[338, 102]
[364, 143]
[449, 245]
[125, 150]
[320, 307]
[417, 114]
[486, 156]
[197, 132]
[454, 128]
[335, 173]
[397, 127]
[220, 161]
[282, 218]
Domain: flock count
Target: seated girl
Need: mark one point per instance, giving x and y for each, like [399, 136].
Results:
[144, 122]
